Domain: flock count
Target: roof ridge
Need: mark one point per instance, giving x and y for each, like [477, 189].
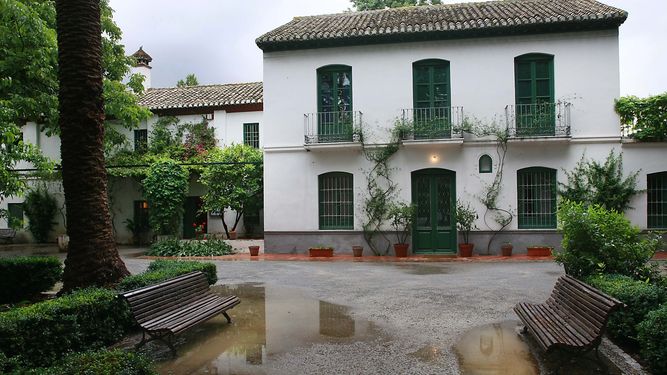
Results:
[208, 85]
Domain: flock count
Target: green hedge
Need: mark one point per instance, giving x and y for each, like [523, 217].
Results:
[103, 362]
[38, 334]
[652, 337]
[23, 277]
[178, 248]
[640, 298]
[161, 270]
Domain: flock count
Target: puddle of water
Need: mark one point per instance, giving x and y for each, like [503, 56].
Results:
[269, 321]
[421, 269]
[495, 349]
[428, 353]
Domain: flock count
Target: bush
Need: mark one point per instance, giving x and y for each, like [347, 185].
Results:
[38, 334]
[40, 208]
[161, 270]
[23, 277]
[165, 187]
[640, 298]
[596, 240]
[102, 362]
[177, 248]
[652, 338]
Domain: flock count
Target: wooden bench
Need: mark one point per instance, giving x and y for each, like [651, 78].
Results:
[573, 319]
[7, 234]
[166, 309]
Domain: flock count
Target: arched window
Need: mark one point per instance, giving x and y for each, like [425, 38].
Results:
[534, 91]
[431, 99]
[656, 200]
[536, 195]
[485, 164]
[336, 200]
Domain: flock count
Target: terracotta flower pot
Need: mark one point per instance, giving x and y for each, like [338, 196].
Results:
[357, 250]
[232, 234]
[506, 249]
[325, 252]
[539, 251]
[401, 250]
[254, 251]
[465, 249]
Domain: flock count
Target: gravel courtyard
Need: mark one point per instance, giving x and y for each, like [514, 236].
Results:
[419, 309]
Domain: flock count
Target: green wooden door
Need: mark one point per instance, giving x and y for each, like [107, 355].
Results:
[334, 104]
[192, 216]
[535, 109]
[434, 195]
[432, 103]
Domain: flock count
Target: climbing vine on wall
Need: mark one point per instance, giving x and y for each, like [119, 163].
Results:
[644, 119]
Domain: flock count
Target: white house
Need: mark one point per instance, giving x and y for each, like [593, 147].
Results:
[547, 71]
[234, 111]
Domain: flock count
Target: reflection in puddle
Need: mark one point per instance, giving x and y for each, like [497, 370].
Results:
[428, 353]
[495, 349]
[270, 320]
[421, 269]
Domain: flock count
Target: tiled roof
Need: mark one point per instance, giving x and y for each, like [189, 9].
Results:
[203, 96]
[444, 21]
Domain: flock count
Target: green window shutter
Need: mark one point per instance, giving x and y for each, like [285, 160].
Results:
[534, 93]
[15, 215]
[141, 140]
[251, 134]
[431, 99]
[336, 200]
[334, 103]
[656, 200]
[536, 195]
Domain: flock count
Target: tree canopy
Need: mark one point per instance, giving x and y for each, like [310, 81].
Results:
[190, 80]
[384, 4]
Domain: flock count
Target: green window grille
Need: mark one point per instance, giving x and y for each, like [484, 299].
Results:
[535, 108]
[536, 190]
[431, 99]
[485, 164]
[656, 209]
[335, 119]
[141, 140]
[251, 134]
[15, 215]
[336, 206]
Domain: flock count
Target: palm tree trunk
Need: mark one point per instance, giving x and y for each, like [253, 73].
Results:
[92, 258]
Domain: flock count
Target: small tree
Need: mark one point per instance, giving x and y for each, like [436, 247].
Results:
[40, 208]
[383, 4]
[402, 216]
[236, 183]
[165, 187]
[190, 80]
[465, 219]
[591, 182]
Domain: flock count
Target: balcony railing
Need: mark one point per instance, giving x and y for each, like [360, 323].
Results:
[538, 120]
[433, 123]
[332, 127]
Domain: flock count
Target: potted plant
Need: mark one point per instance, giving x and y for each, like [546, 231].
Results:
[402, 216]
[465, 222]
[539, 251]
[321, 251]
[357, 251]
[506, 249]
[254, 250]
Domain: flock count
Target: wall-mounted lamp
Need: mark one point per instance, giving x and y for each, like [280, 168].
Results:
[434, 158]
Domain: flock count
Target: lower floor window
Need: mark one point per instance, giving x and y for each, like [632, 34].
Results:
[536, 191]
[336, 208]
[15, 215]
[656, 210]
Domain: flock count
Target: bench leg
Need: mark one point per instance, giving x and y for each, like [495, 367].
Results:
[164, 338]
[229, 320]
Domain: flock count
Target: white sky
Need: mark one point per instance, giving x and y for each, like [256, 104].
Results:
[215, 39]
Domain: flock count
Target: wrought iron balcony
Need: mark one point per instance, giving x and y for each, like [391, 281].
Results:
[432, 123]
[538, 120]
[332, 127]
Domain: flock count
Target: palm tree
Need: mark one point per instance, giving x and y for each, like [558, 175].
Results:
[92, 258]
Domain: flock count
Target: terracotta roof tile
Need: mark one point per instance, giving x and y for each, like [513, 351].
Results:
[441, 22]
[203, 96]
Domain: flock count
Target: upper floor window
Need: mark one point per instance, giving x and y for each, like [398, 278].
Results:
[336, 203]
[656, 209]
[334, 103]
[534, 92]
[485, 164]
[431, 99]
[251, 134]
[536, 195]
[141, 140]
